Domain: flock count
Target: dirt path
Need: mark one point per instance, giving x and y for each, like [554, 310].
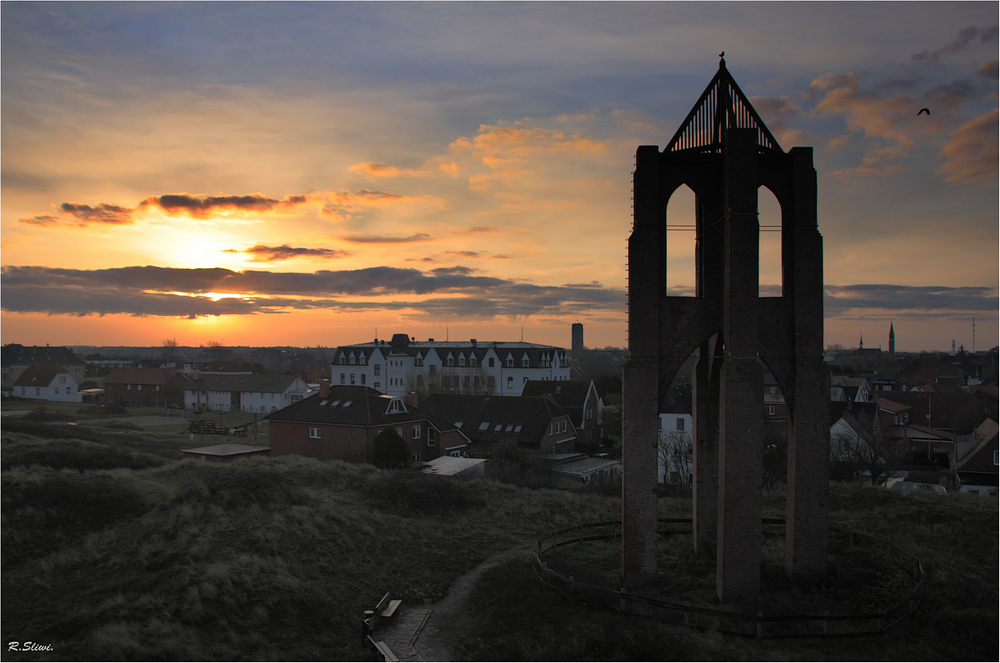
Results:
[437, 638]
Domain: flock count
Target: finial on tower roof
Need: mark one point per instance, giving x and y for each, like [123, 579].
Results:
[722, 59]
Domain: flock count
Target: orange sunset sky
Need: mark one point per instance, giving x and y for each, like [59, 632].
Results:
[307, 173]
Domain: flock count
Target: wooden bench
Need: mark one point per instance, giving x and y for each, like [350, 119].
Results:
[386, 608]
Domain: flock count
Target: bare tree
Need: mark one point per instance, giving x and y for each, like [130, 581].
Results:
[674, 452]
[866, 448]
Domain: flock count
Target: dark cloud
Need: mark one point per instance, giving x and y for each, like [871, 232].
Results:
[153, 291]
[988, 70]
[262, 253]
[592, 284]
[965, 37]
[463, 254]
[450, 271]
[902, 298]
[203, 207]
[78, 214]
[386, 239]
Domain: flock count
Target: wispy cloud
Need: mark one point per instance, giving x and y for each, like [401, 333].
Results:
[971, 154]
[841, 299]
[263, 253]
[78, 214]
[387, 239]
[961, 42]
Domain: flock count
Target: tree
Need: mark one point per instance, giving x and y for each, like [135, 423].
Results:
[866, 448]
[390, 450]
[673, 450]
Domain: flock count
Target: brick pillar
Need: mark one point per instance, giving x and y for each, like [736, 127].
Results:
[640, 391]
[741, 411]
[807, 494]
[705, 449]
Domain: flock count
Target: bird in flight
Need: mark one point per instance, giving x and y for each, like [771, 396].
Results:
[924, 110]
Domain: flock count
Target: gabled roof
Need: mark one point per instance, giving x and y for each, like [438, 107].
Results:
[571, 395]
[133, 375]
[356, 406]
[980, 457]
[39, 375]
[14, 353]
[722, 106]
[524, 420]
[268, 384]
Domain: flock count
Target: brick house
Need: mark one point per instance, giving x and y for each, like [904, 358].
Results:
[341, 422]
[145, 387]
[538, 425]
[580, 401]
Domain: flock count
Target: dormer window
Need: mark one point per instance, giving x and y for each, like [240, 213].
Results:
[419, 361]
[525, 362]
[461, 360]
[510, 362]
[451, 361]
[395, 405]
[352, 360]
[472, 361]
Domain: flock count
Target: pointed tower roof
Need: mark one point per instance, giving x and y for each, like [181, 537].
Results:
[722, 106]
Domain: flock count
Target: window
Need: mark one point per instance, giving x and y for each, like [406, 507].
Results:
[510, 381]
[343, 378]
[378, 369]
[525, 363]
[564, 426]
[399, 431]
[491, 383]
[57, 390]
[377, 385]
[432, 371]
[416, 431]
[314, 433]
[431, 437]
[996, 457]
[419, 361]
[347, 403]
[510, 362]
[352, 378]
[62, 380]
[509, 428]
[550, 428]
[395, 406]
[451, 361]
[467, 383]
[363, 376]
[484, 425]
[455, 454]
[491, 362]
[770, 409]
[472, 361]
[416, 458]
[517, 428]
[496, 429]
[138, 387]
[461, 360]
[352, 360]
[458, 424]
[680, 423]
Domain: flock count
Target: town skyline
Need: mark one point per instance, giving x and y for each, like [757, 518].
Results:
[302, 175]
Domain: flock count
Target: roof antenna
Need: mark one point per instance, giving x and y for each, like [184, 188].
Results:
[522, 334]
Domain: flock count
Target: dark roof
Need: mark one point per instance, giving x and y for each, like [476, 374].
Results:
[226, 450]
[14, 353]
[571, 395]
[980, 458]
[356, 406]
[522, 419]
[272, 384]
[140, 375]
[39, 375]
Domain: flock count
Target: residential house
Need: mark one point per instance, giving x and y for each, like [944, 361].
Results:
[939, 377]
[341, 423]
[243, 392]
[405, 365]
[674, 453]
[580, 401]
[849, 389]
[145, 387]
[977, 462]
[539, 426]
[16, 358]
[47, 382]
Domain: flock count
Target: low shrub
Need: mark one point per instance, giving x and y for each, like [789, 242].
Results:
[419, 493]
[51, 431]
[75, 455]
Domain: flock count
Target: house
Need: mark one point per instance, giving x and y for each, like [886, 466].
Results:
[47, 382]
[580, 401]
[585, 469]
[941, 377]
[674, 453]
[978, 460]
[849, 389]
[341, 422]
[539, 426]
[243, 392]
[16, 358]
[145, 387]
[404, 365]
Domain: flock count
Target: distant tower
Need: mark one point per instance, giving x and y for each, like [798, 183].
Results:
[892, 341]
[861, 342]
[577, 342]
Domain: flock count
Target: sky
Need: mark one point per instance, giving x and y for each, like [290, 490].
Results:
[317, 174]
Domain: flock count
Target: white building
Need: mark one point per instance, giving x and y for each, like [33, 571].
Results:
[243, 392]
[47, 382]
[404, 365]
[674, 457]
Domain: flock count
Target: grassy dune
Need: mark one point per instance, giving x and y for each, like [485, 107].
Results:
[115, 550]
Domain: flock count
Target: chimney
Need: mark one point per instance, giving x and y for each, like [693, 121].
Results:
[410, 399]
[324, 387]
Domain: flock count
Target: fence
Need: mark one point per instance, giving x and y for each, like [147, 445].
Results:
[587, 585]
